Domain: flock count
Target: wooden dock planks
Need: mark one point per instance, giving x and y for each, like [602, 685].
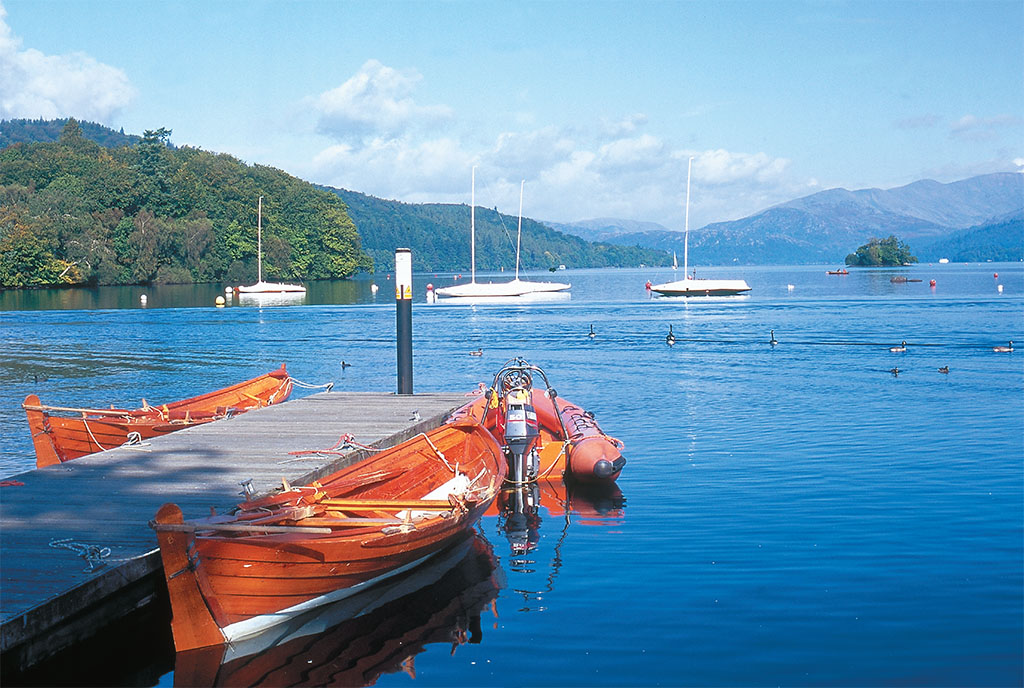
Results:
[106, 500]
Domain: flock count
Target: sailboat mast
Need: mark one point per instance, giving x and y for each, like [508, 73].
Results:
[686, 236]
[472, 230]
[519, 233]
[259, 242]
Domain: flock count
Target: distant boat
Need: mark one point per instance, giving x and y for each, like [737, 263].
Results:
[675, 263]
[840, 271]
[690, 285]
[943, 260]
[513, 288]
[262, 287]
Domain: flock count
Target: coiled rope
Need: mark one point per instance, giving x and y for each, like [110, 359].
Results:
[93, 554]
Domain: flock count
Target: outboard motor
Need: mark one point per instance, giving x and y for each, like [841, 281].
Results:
[521, 433]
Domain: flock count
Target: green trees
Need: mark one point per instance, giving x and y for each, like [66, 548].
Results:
[881, 252]
[74, 212]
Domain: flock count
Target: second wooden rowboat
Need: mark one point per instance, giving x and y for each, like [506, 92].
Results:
[231, 577]
[61, 434]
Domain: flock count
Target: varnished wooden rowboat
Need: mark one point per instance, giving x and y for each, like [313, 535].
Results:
[61, 434]
[276, 557]
[354, 642]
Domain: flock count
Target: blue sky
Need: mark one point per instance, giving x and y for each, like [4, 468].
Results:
[597, 105]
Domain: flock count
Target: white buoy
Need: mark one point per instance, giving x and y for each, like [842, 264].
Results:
[220, 302]
[373, 288]
[431, 296]
[999, 288]
[143, 299]
[228, 290]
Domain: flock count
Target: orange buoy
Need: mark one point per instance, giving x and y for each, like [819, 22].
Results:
[931, 284]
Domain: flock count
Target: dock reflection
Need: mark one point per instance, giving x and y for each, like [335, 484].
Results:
[543, 510]
[355, 641]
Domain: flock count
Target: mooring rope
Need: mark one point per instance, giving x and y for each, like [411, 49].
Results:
[93, 554]
[327, 387]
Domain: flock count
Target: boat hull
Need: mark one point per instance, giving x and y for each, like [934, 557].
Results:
[271, 288]
[356, 528]
[702, 287]
[501, 289]
[63, 434]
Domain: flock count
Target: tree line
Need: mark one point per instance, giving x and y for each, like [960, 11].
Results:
[73, 212]
[877, 252]
[438, 235]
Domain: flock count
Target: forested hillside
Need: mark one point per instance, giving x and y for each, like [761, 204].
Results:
[48, 130]
[1002, 239]
[438, 235]
[74, 212]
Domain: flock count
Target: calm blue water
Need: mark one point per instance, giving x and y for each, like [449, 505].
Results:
[792, 515]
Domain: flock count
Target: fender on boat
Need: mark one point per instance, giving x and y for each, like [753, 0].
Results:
[594, 457]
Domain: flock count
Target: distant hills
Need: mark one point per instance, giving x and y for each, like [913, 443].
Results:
[1001, 240]
[974, 214]
[49, 130]
[79, 215]
[438, 235]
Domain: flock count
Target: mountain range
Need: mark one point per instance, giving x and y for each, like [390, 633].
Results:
[979, 217]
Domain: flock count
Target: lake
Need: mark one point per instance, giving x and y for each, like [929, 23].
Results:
[789, 515]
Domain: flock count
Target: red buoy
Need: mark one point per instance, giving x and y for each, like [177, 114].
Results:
[995, 275]
[932, 284]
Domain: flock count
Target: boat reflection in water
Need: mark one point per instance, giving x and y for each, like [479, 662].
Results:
[355, 641]
[520, 512]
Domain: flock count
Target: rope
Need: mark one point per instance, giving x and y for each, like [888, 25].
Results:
[135, 442]
[306, 385]
[93, 554]
[89, 430]
[344, 445]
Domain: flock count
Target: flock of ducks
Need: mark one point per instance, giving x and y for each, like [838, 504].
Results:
[670, 339]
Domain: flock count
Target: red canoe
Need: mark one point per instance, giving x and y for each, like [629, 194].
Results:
[230, 577]
[61, 434]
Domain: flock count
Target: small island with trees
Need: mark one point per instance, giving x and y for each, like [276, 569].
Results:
[881, 253]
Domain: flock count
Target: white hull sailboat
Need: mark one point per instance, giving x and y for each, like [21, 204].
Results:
[690, 285]
[262, 287]
[498, 290]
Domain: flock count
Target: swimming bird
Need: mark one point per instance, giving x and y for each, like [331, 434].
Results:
[944, 370]
[1004, 349]
[345, 365]
[592, 334]
[773, 341]
[895, 371]
[898, 349]
[478, 352]
[671, 338]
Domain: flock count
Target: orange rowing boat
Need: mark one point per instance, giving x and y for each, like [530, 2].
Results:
[278, 556]
[61, 434]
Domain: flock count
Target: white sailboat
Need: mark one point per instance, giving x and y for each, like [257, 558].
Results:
[513, 288]
[690, 285]
[262, 287]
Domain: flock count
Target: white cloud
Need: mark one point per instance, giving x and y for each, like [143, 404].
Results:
[974, 128]
[33, 84]
[377, 100]
[431, 170]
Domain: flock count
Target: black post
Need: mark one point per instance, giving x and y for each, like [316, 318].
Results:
[403, 317]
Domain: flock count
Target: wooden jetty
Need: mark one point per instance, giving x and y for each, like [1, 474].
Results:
[76, 551]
